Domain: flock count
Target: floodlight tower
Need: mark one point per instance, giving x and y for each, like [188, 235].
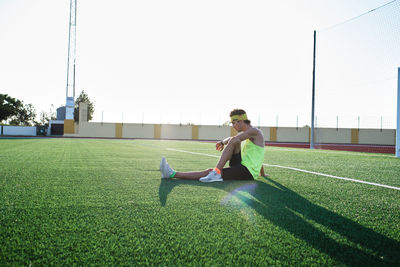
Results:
[70, 90]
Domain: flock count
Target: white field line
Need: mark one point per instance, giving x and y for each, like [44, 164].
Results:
[299, 170]
[364, 154]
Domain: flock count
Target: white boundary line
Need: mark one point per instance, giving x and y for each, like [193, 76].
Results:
[296, 169]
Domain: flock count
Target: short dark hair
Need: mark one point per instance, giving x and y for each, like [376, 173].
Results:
[239, 112]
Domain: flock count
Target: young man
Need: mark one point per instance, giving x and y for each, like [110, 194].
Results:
[245, 162]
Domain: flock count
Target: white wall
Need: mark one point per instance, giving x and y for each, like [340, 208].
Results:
[207, 132]
[291, 134]
[137, 130]
[377, 137]
[19, 130]
[333, 136]
[266, 132]
[172, 131]
[96, 129]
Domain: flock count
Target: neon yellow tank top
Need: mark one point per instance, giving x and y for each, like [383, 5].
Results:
[252, 157]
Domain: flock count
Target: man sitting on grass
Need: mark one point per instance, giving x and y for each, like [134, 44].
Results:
[245, 162]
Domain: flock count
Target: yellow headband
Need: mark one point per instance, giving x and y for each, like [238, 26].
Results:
[241, 117]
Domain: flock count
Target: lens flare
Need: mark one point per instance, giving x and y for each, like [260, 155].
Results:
[241, 199]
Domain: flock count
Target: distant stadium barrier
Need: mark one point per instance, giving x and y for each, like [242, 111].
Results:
[19, 130]
[280, 136]
[213, 132]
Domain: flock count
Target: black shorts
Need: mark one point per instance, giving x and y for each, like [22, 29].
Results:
[236, 171]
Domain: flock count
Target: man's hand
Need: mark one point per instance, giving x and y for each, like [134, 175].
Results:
[219, 146]
[262, 173]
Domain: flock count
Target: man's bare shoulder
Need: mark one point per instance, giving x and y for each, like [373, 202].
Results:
[256, 136]
[254, 131]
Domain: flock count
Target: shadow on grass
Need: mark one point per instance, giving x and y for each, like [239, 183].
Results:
[291, 212]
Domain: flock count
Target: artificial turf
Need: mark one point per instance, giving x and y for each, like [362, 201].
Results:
[102, 202]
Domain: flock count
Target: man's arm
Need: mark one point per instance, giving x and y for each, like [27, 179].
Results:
[237, 138]
[248, 134]
[226, 140]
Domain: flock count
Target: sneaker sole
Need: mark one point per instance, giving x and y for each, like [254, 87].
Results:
[162, 164]
[210, 181]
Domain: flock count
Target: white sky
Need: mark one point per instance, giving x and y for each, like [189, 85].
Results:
[194, 61]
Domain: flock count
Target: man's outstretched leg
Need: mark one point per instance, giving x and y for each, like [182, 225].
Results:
[168, 172]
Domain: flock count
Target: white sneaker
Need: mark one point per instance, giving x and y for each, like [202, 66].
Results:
[165, 169]
[212, 176]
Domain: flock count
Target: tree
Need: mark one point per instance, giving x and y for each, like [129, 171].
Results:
[83, 97]
[25, 117]
[8, 107]
[46, 117]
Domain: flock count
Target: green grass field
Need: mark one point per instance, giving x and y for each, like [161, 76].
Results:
[102, 202]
